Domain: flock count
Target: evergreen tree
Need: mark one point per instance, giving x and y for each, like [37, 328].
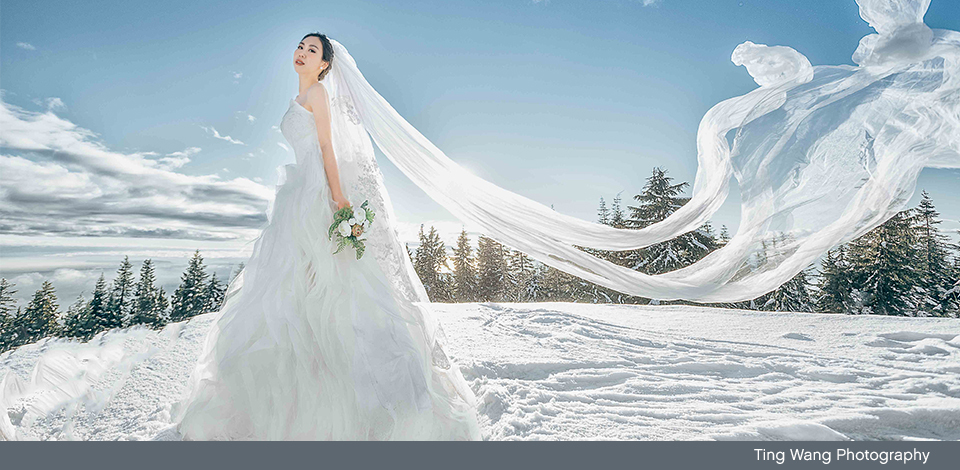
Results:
[145, 309]
[520, 277]
[8, 305]
[42, 314]
[190, 298]
[429, 260]
[603, 214]
[936, 274]
[101, 318]
[491, 270]
[658, 199]
[883, 265]
[617, 219]
[162, 305]
[724, 235]
[792, 296]
[74, 318]
[835, 284]
[464, 270]
[237, 272]
[121, 302]
[215, 293]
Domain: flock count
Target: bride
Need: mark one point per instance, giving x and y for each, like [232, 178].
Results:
[315, 345]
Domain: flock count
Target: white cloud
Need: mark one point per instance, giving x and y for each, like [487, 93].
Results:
[283, 146]
[648, 3]
[251, 118]
[227, 138]
[26, 45]
[58, 179]
[237, 75]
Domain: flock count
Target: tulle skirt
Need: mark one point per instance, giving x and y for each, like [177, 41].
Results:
[315, 346]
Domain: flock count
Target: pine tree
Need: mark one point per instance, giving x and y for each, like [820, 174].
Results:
[7, 314]
[724, 235]
[98, 310]
[120, 306]
[617, 219]
[42, 314]
[603, 214]
[792, 296]
[190, 298]
[883, 262]
[215, 293]
[237, 272]
[74, 318]
[162, 305]
[521, 276]
[835, 284]
[658, 199]
[935, 271]
[491, 270]
[145, 309]
[464, 270]
[430, 259]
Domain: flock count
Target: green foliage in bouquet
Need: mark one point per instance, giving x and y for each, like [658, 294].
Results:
[350, 228]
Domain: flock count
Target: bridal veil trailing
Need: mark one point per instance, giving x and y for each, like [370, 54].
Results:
[822, 155]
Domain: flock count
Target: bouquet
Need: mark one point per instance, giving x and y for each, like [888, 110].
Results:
[351, 228]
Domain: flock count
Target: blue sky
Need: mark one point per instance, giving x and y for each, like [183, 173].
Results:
[563, 101]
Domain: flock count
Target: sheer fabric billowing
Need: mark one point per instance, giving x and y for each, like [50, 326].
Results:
[821, 154]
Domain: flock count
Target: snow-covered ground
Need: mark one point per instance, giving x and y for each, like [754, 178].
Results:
[581, 371]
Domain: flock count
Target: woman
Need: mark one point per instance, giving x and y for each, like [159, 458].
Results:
[315, 345]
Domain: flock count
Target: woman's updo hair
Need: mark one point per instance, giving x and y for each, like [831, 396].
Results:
[327, 55]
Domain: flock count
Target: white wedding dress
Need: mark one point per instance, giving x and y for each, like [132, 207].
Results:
[311, 345]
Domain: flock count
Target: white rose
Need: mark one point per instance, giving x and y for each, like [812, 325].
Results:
[344, 228]
[353, 221]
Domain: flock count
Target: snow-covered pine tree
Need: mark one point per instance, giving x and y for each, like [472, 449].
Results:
[724, 235]
[464, 270]
[162, 307]
[214, 294]
[190, 298]
[8, 304]
[145, 309]
[120, 305]
[658, 199]
[41, 314]
[491, 270]
[883, 263]
[603, 214]
[936, 273]
[429, 260]
[74, 318]
[617, 219]
[835, 283]
[98, 310]
[521, 274]
[793, 295]
[237, 271]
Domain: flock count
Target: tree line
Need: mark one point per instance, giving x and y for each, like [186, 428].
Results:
[127, 301]
[906, 266]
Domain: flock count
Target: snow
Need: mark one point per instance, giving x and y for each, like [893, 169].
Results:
[567, 371]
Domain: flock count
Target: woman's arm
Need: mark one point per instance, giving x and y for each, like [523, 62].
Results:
[317, 99]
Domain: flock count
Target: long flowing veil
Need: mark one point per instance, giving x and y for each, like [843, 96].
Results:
[821, 154]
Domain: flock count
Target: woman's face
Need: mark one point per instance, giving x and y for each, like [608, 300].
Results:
[308, 58]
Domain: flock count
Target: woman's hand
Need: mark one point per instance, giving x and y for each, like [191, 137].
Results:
[341, 202]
